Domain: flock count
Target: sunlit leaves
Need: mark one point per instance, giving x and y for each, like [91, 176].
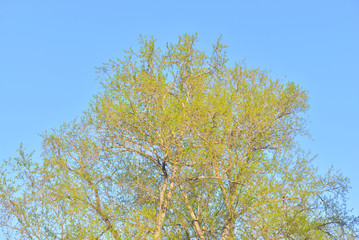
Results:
[178, 145]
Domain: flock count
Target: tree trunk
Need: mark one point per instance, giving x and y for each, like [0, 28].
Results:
[195, 221]
[227, 228]
[164, 202]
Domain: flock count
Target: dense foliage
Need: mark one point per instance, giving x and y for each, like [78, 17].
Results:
[177, 145]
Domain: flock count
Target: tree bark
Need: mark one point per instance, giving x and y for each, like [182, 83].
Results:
[228, 225]
[229, 220]
[195, 221]
[164, 202]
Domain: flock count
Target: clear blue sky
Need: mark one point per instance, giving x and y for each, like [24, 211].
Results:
[49, 50]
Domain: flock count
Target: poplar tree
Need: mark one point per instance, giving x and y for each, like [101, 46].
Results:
[178, 144]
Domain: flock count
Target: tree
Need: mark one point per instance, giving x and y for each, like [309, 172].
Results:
[177, 145]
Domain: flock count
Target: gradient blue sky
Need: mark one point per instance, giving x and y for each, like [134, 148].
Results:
[49, 50]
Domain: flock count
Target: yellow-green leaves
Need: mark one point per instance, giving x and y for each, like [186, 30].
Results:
[178, 145]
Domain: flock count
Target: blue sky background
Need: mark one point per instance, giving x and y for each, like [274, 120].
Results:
[49, 50]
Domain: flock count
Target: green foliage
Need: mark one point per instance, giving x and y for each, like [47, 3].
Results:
[177, 145]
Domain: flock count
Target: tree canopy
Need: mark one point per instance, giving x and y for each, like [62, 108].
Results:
[178, 144]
